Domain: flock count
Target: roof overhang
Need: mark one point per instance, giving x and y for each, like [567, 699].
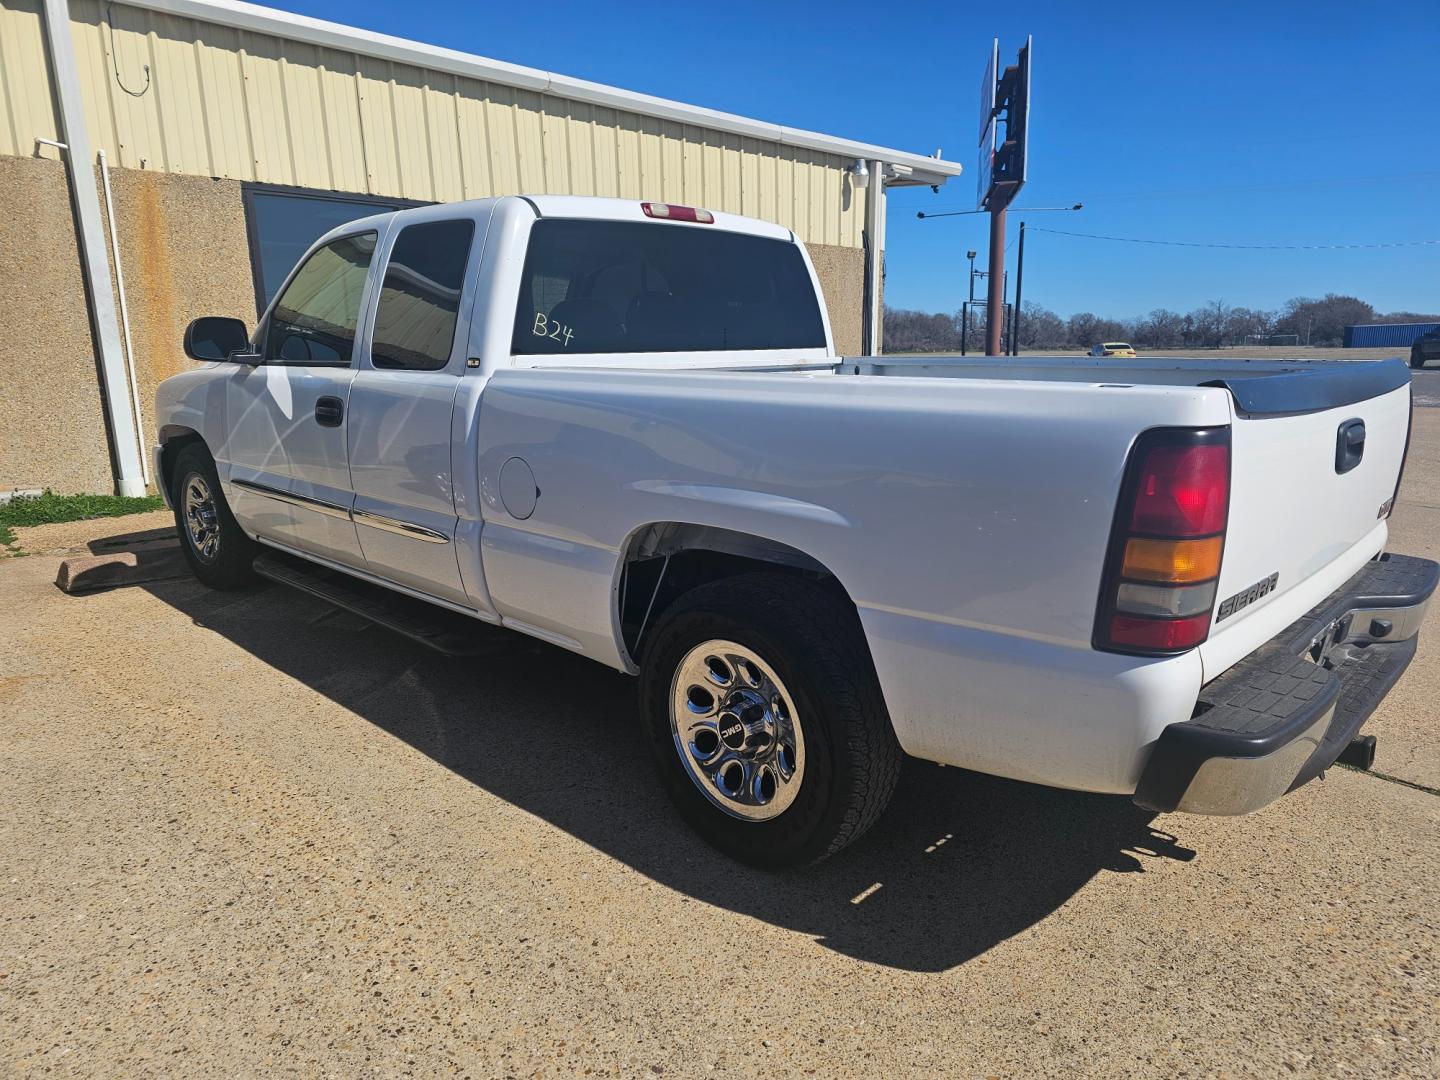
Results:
[908, 169]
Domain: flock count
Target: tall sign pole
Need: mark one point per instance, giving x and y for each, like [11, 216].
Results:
[995, 294]
[1002, 168]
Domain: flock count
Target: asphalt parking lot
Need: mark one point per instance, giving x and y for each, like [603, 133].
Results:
[245, 834]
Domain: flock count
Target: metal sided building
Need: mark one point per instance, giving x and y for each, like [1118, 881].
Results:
[1385, 335]
[164, 159]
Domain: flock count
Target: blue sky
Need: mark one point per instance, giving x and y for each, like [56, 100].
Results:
[1222, 122]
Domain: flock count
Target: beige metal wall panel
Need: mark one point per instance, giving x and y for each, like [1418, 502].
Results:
[264, 92]
[183, 125]
[304, 107]
[605, 131]
[529, 121]
[377, 126]
[443, 133]
[242, 105]
[27, 108]
[221, 103]
[344, 141]
[407, 103]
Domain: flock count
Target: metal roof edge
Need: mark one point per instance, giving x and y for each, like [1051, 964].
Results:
[284, 24]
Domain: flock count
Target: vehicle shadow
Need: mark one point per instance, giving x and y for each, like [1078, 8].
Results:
[959, 863]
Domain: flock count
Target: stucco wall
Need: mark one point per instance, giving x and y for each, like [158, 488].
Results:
[52, 427]
[184, 253]
[842, 279]
[183, 250]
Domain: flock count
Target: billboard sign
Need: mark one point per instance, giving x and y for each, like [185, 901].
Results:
[987, 89]
[1004, 160]
[1020, 110]
[984, 165]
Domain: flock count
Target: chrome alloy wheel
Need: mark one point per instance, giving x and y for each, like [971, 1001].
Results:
[202, 521]
[736, 730]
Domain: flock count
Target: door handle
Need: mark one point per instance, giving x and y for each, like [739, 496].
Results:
[329, 411]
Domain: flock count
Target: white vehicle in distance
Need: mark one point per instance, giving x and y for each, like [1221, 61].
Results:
[623, 428]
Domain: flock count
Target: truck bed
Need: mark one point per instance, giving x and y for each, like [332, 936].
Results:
[1259, 387]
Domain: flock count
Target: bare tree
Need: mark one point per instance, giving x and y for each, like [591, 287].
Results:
[1209, 321]
[1041, 328]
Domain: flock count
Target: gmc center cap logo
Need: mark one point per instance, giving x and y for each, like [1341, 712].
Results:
[732, 731]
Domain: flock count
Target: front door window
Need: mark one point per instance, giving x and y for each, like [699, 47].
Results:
[313, 323]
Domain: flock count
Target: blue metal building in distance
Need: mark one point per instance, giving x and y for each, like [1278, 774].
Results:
[1386, 335]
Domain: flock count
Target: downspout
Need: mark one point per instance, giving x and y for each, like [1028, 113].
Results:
[94, 260]
[874, 258]
[132, 375]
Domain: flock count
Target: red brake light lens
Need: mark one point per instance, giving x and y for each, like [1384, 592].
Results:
[1160, 635]
[671, 212]
[1183, 491]
[1163, 566]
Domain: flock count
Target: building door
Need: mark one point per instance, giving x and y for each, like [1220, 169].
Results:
[402, 403]
[288, 416]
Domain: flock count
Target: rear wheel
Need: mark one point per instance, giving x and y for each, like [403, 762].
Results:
[217, 549]
[1417, 357]
[768, 726]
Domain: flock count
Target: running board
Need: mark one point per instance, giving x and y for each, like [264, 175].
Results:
[447, 632]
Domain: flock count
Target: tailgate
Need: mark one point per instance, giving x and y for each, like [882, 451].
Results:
[1304, 514]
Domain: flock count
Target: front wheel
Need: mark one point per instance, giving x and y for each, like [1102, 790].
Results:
[1417, 358]
[217, 549]
[768, 726]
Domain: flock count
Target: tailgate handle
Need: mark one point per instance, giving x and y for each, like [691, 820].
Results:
[1349, 445]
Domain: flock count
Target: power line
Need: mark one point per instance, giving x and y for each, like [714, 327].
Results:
[1238, 247]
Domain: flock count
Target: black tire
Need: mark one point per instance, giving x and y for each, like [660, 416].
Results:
[227, 562]
[1417, 358]
[814, 643]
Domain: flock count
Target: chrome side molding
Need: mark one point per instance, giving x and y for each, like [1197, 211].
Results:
[345, 513]
[394, 525]
[329, 509]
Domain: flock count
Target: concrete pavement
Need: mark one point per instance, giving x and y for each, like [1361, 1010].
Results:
[244, 834]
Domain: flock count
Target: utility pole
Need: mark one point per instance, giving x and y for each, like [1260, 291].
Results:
[968, 305]
[1019, 285]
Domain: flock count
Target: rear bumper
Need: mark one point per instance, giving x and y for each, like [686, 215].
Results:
[1283, 714]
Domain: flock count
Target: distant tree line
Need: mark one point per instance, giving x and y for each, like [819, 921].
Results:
[1211, 326]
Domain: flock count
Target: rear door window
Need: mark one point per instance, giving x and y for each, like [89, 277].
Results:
[420, 297]
[619, 286]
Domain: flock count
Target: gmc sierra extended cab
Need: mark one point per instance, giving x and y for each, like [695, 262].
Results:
[622, 428]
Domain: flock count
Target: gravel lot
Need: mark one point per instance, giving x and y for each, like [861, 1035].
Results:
[244, 834]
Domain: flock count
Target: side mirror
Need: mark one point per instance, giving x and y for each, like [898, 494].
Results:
[215, 337]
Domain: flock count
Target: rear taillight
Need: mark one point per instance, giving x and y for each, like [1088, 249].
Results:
[671, 212]
[1158, 591]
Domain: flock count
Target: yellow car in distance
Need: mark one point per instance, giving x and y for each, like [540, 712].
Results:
[1113, 348]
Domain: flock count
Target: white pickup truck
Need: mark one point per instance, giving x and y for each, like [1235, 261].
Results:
[623, 428]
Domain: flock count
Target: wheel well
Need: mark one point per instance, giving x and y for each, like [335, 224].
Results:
[173, 439]
[665, 560]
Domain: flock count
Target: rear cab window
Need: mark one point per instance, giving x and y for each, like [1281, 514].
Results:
[636, 287]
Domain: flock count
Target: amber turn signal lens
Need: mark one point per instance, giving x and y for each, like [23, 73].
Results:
[1173, 561]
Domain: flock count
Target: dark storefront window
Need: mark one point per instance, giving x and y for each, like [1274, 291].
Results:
[284, 223]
